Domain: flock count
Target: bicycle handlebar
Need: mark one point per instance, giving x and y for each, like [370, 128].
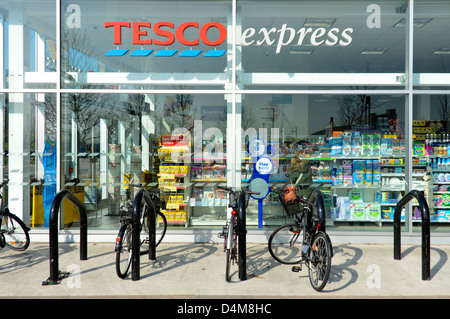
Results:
[234, 190]
[140, 185]
[5, 181]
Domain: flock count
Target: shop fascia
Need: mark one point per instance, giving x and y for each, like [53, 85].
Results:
[251, 36]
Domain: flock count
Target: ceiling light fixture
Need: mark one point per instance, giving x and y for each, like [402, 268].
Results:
[318, 22]
[374, 51]
[306, 51]
[442, 51]
[418, 22]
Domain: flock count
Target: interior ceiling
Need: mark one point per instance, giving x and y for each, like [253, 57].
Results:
[258, 14]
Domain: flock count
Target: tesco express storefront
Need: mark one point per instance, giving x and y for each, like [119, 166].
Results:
[177, 94]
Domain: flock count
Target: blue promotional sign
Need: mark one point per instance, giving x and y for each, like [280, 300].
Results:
[49, 161]
[260, 153]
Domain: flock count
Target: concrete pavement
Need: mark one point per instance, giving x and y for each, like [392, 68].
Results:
[196, 271]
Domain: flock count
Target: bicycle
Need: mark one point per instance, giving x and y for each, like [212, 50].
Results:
[304, 241]
[13, 232]
[123, 246]
[234, 231]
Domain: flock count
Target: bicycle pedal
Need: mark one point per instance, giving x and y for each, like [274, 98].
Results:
[296, 268]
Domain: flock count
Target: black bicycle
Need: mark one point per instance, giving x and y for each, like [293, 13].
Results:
[234, 232]
[303, 241]
[13, 232]
[123, 247]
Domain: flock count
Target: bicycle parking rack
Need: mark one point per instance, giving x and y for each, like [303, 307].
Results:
[242, 235]
[55, 275]
[135, 236]
[423, 206]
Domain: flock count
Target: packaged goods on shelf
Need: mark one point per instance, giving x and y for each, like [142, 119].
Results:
[376, 169]
[356, 144]
[356, 195]
[373, 212]
[437, 199]
[417, 215]
[359, 172]
[446, 200]
[443, 215]
[208, 198]
[346, 144]
[357, 212]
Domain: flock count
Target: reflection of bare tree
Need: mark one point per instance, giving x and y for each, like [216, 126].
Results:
[443, 109]
[77, 52]
[178, 111]
[84, 109]
[87, 110]
[248, 119]
[356, 109]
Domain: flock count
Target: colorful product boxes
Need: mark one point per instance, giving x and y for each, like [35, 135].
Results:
[365, 212]
[357, 212]
[373, 212]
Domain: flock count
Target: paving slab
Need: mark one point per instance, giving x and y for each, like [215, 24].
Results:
[196, 271]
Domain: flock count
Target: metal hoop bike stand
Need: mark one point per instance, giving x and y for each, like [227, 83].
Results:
[424, 210]
[135, 236]
[242, 235]
[55, 275]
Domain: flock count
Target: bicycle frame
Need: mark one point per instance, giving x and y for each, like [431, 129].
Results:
[231, 226]
[237, 202]
[148, 197]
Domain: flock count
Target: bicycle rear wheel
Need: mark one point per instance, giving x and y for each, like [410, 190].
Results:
[123, 251]
[231, 250]
[320, 261]
[285, 244]
[15, 232]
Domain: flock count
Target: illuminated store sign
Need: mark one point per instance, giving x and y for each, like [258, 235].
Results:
[268, 37]
[170, 34]
[286, 36]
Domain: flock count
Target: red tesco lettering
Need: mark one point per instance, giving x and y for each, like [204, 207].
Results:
[166, 30]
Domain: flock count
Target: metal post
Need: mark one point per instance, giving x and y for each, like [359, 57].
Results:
[151, 224]
[242, 232]
[317, 198]
[135, 237]
[55, 274]
[423, 206]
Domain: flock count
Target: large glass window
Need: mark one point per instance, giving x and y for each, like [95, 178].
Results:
[28, 41]
[160, 122]
[176, 142]
[145, 44]
[431, 44]
[282, 43]
[355, 154]
[431, 135]
[28, 157]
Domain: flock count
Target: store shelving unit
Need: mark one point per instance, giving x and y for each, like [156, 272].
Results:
[174, 178]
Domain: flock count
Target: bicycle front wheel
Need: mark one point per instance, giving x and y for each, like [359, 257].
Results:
[15, 232]
[285, 244]
[160, 231]
[123, 253]
[320, 261]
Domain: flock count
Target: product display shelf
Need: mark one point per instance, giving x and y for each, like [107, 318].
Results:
[174, 179]
[438, 170]
[208, 203]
